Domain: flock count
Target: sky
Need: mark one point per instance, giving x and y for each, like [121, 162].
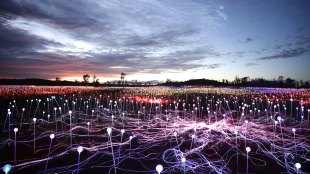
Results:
[155, 39]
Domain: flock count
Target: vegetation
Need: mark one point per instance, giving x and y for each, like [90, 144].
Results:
[280, 82]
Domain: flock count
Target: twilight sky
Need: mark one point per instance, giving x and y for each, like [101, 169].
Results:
[154, 39]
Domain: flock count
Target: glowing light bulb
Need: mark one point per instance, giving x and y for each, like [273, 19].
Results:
[298, 165]
[34, 119]
[248, 149]
[294, 130]
[80, 149]
[123, 131]
[183, 160]
[159, 168]
[109, 130]
[70, 112]
[175, 133]
[130, 137]
[246, 121]
[6, 168]
[15, 129]
[52, 136]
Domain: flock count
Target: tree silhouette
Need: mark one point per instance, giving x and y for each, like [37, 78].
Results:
[245, 80]
[94, 78]
[237, 80]
[290, 82]
[301, 83]
[123, 77]
[168, 81]
[58, 79]
[86, 78]
[96, 83]
[280, 80]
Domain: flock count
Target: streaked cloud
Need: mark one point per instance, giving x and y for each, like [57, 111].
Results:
[45, 39]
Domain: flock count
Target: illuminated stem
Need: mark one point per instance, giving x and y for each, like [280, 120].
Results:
[15, 150]
[34, 137]
[48, 156]
[112, 153]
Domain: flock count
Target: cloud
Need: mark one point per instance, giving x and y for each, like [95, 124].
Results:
[250, 64]
[248, 39]
[300, 29]
[292, 53]
[59, 37]
[293, 49]
[213, 66]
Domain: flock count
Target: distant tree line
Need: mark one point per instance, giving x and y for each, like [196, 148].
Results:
[280, 82]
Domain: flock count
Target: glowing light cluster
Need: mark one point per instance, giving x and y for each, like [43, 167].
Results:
[163, 130]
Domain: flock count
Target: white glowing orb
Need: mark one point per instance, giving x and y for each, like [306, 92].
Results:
[294, 130]
[6, 168]
[123, 131]
[52, 136]
[34, 119]
[15, 129]
[159, 168]
[80, 149]
[109, 130]
[183, 160]
[175, 133]
[248, 149]
[298, 165]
